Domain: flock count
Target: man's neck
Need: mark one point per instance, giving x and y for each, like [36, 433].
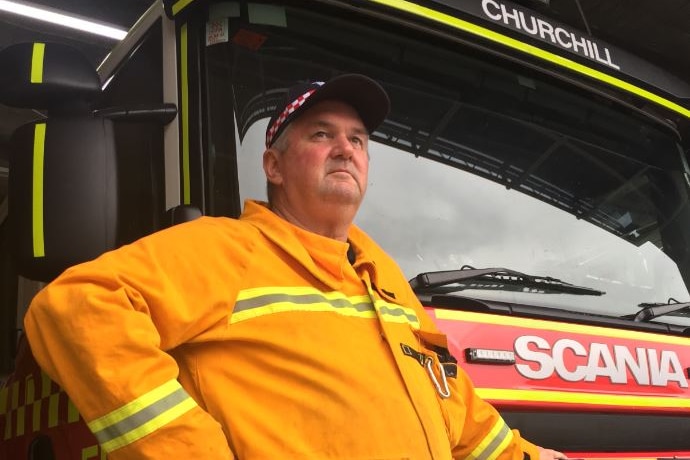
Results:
[336, 228]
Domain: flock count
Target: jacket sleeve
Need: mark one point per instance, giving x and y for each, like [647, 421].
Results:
[101, 331]
[478, 429]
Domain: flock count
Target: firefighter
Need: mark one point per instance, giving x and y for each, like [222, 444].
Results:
[286, 333]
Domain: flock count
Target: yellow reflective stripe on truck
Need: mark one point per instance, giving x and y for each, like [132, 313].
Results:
[582, 398]
[141, 416]
[436, 16]
[540, 324]
[37, 57]
[26, 410]
[37, 190]
[184, 118]
[180, 5]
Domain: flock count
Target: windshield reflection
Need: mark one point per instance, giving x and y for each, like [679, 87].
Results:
[430, 216]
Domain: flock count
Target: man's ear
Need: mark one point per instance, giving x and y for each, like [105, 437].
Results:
[272, 166]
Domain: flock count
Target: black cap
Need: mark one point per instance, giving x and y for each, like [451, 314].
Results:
[365, 95]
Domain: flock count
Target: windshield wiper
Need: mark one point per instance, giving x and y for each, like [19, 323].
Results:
[500, 279]
[654, 310]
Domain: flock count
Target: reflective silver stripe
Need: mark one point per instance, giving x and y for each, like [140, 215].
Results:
[142, 416]
[395, 313]
[305, 299]
[396, 310]
[493, 443]
[256, 302]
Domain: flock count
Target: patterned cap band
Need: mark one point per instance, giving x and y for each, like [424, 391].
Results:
[291, 107]
[360, 92]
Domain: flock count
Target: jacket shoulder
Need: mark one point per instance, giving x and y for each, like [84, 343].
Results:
[223, 228]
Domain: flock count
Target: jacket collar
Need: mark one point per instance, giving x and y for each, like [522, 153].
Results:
[323, 257]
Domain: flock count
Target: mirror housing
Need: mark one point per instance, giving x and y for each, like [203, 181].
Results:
[63, 176]
[49, 76]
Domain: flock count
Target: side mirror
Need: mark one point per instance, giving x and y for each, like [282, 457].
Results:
[62, 194]
[63, 176]
[48, 76]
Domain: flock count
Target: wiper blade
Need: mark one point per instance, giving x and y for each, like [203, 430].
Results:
[654, 310]
[429, 281]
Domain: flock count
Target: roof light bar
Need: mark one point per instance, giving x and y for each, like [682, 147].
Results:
[61, 19]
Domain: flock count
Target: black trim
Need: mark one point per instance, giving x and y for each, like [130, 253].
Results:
[8, 301]
[41, 448]
[599, 432]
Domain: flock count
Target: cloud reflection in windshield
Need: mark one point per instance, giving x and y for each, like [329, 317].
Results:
[430, 216]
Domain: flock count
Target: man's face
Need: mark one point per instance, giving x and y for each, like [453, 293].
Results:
[326, 160]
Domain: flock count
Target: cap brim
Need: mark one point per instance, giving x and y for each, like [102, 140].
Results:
[364, 94]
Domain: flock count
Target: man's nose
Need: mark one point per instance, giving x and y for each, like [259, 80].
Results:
[343, 146]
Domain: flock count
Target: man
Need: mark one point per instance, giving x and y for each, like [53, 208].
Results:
[285, 334]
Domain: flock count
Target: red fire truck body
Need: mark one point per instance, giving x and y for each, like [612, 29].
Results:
[531, 181]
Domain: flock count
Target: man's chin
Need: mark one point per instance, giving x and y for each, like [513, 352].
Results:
[346, 196]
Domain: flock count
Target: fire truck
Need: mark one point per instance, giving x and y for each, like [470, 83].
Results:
[531, 181]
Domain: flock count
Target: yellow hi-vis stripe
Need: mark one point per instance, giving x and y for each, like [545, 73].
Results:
[21, 420]
[393, 313]
[37, 192]
[590, 399]
[53, 408]
[13, 403]
[493, 443]
[257, 302]
[184, 119]
[180, 5]
[29, 390]
[72, 412]
[142, 416]
[4, 411]
[88, 452]
[4, 398]
[14, 395]
[37, 62]
[29, 397]
[37, 415]
[46, 384]
[418, 10]
[92, 452]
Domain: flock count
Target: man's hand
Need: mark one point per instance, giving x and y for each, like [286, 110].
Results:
[549, 454]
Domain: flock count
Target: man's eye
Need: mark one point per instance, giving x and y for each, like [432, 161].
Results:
[357, 141]
[321, 134]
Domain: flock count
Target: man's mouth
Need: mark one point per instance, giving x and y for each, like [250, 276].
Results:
[341, 170]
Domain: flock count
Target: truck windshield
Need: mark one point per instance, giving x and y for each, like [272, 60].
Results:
[483, 162]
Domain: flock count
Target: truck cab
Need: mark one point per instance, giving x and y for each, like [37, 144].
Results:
[531, 181]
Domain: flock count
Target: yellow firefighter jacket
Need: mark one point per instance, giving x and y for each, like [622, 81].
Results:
[255, 339]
